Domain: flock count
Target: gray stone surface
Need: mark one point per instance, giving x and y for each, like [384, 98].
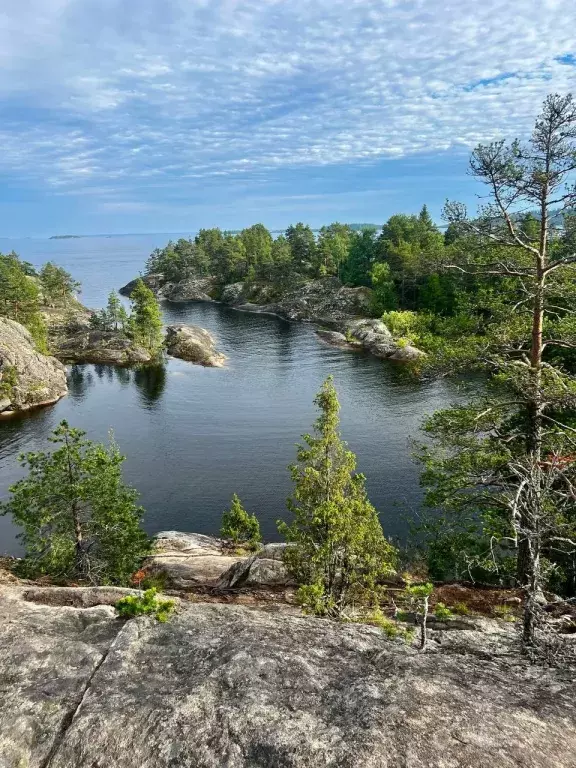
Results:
[194, 344]
[37, 379]
[154, 282]
[189, 560]
[222, 686]
[377, 339]
[106, 347]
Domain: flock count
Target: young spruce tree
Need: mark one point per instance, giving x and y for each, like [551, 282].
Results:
[79, 520]
[339, 551]
[146, 318]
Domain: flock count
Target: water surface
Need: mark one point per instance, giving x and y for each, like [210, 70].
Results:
[193, 436]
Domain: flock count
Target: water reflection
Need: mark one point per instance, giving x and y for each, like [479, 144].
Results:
[80, 379]
[151, 382]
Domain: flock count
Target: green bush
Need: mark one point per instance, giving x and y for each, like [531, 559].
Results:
[461, 609]
[239, 526]
[144, 605]
[442, 611]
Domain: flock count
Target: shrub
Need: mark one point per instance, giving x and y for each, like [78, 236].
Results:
[461, 609]
[144, 605]
[442, 611]
[504, 612]
[239, 526]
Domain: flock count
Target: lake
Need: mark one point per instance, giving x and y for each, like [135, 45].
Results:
[193, 436]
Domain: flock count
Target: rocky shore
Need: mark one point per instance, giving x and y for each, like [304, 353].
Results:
[226, 685]
[324, 302]
[194, 344]
[28, 379]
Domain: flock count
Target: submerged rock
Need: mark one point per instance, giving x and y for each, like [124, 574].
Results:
[27, 378]
[223, 685]
[107, 347]
[189, 342]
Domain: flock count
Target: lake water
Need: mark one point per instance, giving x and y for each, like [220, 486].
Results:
[194, 436]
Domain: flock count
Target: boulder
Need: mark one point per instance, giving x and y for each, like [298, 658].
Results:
[232, 293]
[28, 378]
[324, 301]
[191, 289]
[189, 342]
[337, 339]
[106, 347]
[154, 282]
[224, 685]
[188, 560]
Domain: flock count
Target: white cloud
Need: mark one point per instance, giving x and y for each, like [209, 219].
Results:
[194, 89]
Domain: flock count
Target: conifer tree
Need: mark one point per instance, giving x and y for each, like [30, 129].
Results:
[339, 551]
[239, 526]
[79, 519]
[146, 319]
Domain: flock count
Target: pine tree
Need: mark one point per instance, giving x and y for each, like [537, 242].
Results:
[339, 551]
[79, 520]
[146, 319]
[115, 315]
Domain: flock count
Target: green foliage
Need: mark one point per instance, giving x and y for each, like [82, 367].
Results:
[391, 629]
[78, 519]
[385, 298]
[20, 297]
[57, 285]
[504, 612]
[460, 609]
[239, 526]
[145, 605]
[146, 318]
[339, 552]
[419, 591]
[8, 380]
[442, 612]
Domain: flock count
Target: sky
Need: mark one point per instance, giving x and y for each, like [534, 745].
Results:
[169, 115]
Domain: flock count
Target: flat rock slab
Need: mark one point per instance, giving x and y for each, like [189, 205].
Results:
[221, 685]
[188, 560]
[47, 657]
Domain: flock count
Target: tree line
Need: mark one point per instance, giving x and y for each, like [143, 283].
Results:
[24, 292]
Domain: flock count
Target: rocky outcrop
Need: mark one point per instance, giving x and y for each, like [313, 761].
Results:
[83, 345]
[337, 339]
[189, 560]
[194, 344]
[191, 289]
[28, 379]
[154, 282]
[377, 339]
[224, 685]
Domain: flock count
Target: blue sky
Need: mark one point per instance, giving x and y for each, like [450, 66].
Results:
[168, 115]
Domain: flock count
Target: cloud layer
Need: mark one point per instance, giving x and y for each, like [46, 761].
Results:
[107, 97]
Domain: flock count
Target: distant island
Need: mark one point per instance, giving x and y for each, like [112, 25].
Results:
[65, 237]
